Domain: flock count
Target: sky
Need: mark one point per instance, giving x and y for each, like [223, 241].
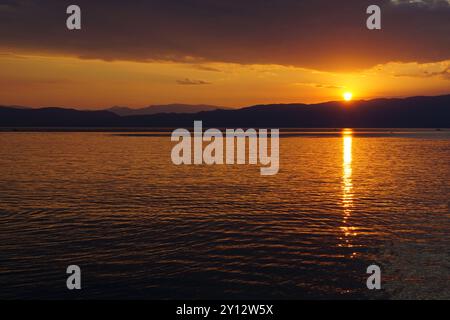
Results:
[223, 52]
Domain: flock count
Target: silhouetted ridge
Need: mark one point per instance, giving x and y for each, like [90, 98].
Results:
[168, 108]
[415, 112]
[56, 117]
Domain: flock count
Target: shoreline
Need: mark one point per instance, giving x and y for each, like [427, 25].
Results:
[397, 130]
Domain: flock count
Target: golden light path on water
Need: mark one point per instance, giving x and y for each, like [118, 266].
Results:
[347, 187]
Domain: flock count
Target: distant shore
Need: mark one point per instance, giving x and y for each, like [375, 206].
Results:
[284, 132]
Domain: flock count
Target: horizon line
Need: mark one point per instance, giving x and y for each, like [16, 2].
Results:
[15, 106]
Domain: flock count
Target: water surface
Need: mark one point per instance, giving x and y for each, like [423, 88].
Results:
[140, 227]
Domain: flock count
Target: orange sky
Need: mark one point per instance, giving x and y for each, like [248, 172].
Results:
[220, 52]
[33, 80]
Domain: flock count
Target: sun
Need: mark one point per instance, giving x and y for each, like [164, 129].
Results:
[348, 96]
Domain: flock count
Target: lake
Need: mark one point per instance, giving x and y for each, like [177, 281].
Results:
[140, 227]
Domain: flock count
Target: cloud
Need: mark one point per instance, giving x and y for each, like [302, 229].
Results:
[427, 74]
[426, 3]
[320, 85]
[202, 67]
[326, 86]
[415, 70]
[11, 55]
[191, 82]
[8, 5]
[12, 83]
[318, 34]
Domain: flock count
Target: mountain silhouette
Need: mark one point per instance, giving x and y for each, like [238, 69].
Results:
[56, 117]
[414, 112]
[169, 108]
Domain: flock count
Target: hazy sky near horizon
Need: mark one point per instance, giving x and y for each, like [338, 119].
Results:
[222, 52]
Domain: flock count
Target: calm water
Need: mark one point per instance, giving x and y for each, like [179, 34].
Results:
[140, 227]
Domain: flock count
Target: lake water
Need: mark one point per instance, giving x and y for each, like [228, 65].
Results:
[141, 227]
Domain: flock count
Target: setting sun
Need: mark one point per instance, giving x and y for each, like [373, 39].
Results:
[348, 96]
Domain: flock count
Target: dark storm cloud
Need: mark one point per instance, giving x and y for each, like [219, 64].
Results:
[321, 34]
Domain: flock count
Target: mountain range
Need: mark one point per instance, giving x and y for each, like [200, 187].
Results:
[413, 112]
[168, 108]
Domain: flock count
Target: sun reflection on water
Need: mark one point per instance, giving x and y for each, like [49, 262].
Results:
[347, 187]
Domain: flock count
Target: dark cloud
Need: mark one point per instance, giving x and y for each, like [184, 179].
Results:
[320, 34]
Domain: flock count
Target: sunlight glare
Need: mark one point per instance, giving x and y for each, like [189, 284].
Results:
[348, 96]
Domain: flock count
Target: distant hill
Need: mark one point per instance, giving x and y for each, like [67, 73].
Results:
[169, 108]
[56, 117]
[414, 112]
[19, 107]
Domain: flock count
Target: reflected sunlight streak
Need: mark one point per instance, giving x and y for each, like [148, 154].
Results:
[347, 185]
